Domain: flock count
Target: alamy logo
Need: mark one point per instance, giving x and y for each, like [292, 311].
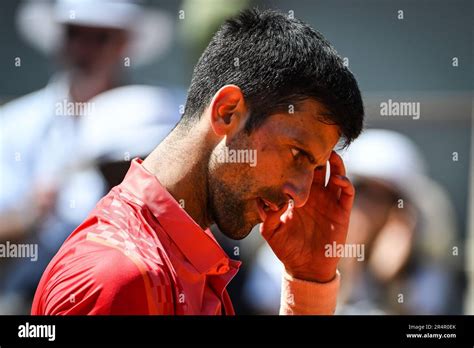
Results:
[238, 156]
[12, 250]
[69, 108]
[345, 250]
[394, 108]
[37, 331]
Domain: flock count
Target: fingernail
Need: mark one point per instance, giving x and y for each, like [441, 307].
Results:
[291, 204]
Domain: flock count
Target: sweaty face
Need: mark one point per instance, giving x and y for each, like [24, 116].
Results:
[250, 174]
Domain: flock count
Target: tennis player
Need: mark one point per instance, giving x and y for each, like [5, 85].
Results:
[269, 101]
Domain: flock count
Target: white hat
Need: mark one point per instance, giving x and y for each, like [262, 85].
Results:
[394, 159]
[386, 156]
[39, 22]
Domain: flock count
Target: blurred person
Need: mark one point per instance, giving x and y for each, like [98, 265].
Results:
[147, 248]
[469, 299]
[406, 224]
[50, 182]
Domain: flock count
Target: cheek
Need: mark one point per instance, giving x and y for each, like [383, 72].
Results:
[272, 166]
[237, 177]
[273, 159]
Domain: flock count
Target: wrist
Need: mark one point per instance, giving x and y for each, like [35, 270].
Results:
[317, 277]
[303, 297]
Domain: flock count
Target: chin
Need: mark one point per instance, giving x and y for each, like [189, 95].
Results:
[235, 234]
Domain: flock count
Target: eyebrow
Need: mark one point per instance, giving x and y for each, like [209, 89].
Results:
[309, 155]
[325, 117]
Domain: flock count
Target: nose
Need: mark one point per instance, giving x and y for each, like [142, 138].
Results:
[298, 188]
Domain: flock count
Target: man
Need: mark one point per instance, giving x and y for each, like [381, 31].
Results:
[266, 84]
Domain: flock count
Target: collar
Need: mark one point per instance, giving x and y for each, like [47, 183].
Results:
[197, 245]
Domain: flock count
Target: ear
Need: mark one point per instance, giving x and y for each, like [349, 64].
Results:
[228, 111]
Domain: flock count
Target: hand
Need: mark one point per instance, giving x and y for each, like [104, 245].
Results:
[298, 236]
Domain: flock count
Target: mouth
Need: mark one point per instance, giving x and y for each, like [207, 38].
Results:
[264, 207]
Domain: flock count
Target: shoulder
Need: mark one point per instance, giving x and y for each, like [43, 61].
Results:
[92, 278]
[29, 108]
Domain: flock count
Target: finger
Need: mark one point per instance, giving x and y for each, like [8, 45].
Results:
[337, 164]
[319, 177]
[347, 191]
[333, 188]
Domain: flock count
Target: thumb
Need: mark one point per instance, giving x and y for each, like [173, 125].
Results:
[288, 214]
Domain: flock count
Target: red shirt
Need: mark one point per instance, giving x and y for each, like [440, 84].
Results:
[138, 252]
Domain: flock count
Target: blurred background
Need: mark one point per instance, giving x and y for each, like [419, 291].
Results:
[86, 86]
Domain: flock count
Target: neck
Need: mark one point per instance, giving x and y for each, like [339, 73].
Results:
[180, 164]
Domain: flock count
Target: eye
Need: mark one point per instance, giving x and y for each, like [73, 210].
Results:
[301, 155]
[295, 152]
